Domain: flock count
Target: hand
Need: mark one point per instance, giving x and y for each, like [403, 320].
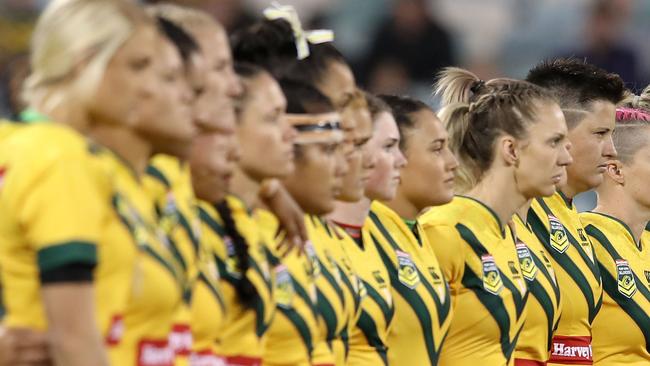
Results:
[289, 214]
[23, 347]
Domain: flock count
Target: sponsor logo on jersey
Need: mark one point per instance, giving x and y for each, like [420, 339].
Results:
[626, 282]
[155, 353]
[647, 276]
[492, 282]
[407, 273]
[528, 267]
[3, 170]
[440, 285]
[559, 239]
[232, 262]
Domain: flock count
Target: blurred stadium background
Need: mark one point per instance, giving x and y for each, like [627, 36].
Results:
[397, 46]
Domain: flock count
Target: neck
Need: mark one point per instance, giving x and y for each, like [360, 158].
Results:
[351, 213]
[70, 115]
[569, 191]
[403, 206]
[125, 143]
[504, 201]
[522, 211]
[245, 187]
[618, 204]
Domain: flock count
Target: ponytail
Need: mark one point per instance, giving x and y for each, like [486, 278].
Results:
[244, 288]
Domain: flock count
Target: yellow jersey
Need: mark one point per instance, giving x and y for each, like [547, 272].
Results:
[369, 332]
[336, 296]
[294, 330]
[169, 183]
[478, 257]
[556, 223]
[240, 337]
[43, 168]
[544, 305]
[422, 301]
[621, 330]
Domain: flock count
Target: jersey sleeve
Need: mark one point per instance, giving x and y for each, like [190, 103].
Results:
[58, 203]
[446, 244]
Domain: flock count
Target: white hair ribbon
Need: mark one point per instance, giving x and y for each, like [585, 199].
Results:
[303, 37]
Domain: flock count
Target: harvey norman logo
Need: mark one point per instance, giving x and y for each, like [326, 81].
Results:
[564, 350]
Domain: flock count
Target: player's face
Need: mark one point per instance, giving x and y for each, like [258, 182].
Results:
[637, 174]
[338, 85]
[213, 160]
[358, 171]
[166, 120]
[265, 137]
[384, 146]
[592, 147]
[129, 79]
[428, 178]
[315, 183]
[544, 154]
[215, 83]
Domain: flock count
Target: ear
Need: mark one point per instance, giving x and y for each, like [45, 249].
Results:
[508, 147]
[615, 172]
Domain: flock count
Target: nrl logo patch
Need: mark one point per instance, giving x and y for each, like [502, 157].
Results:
[528, 267]
[407, 273]
[283, 286]
[559, 239]
[492, 282]
[626, 282]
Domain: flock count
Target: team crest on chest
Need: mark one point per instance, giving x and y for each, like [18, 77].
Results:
[626, 282]
[283, 286]
[528, 267]
[232, 262]
[559, 239]
[492, 282]
[313, 260]
[407, 273]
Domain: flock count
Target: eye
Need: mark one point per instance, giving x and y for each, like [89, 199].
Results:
[140, 64]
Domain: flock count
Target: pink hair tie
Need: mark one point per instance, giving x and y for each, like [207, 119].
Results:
[631, 114]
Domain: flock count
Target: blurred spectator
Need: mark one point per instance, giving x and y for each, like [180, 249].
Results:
[604, 46]
[409, 47]
[12, 76]
[16, 23]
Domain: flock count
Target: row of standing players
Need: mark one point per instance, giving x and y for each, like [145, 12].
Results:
[180, 266]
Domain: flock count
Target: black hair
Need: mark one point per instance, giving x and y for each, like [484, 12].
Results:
[376, 106]
[183, 41]
[402, 109]
[271, 44]
[303, 98]
[575, 83]
[243, 286]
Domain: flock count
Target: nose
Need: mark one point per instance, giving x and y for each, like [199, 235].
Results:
[565, 158]
[609, 150]
[401, 160]
[452, 162]
[235, 87]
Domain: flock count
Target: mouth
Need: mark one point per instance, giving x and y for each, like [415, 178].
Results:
[602, 168]
[449, 180]
[557, 178]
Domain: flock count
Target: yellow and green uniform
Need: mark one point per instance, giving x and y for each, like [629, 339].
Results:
[621, 330]
[169, 183]
[369, 332]
[478, 257]
[544, 305]
[422, 301]
[556, 223]
[239, 341]
[337, 297]
[291, 336]
[44, 169]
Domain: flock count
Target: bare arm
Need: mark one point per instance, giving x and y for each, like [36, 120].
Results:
[73, 335]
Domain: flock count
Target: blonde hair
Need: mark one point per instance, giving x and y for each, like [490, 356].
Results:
[477, 112]
[641, 101]
[189, 19]
[74, 33]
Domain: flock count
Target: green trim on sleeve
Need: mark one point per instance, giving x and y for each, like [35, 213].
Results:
[61, 254]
